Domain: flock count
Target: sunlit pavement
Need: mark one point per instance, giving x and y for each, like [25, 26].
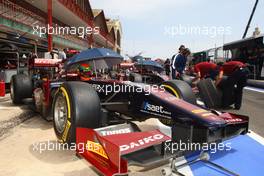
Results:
[253, 106]
[18, 156]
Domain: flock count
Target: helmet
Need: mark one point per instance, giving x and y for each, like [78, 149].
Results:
[85, 70]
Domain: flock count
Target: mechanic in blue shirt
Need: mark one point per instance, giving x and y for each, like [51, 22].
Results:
[180, 61]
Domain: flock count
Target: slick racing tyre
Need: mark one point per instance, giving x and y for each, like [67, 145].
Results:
[210, 95]
[187, 79]
[181, 90]
[20, 88]
[76, 104]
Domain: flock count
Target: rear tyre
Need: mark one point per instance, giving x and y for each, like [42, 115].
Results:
[181, 90]
[20, 88]
[76, 104]
[187, 79]
[209, 93]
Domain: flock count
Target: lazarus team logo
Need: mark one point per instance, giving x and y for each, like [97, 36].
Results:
[155, 110]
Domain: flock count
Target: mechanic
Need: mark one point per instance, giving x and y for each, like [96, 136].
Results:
[236, 73]
[167, 67]
[173, 68]
[205, 70]
[180, 62]
[62, 54]
[85, 72]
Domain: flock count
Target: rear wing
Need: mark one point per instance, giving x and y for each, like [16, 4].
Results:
[104, 148]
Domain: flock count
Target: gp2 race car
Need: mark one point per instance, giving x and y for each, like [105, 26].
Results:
[78, 106]
[84, 111]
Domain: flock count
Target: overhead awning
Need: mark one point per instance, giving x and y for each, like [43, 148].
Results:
[251, 42]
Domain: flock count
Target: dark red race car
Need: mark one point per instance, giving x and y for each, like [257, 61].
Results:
[98, 113]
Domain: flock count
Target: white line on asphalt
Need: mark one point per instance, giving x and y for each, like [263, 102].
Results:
[256, 137]
[8, 108]
[255, 89]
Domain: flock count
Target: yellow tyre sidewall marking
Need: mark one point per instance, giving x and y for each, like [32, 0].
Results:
[68, 124]
[173, 90]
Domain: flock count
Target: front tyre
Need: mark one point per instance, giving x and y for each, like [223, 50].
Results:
[181, 90]
[76, 104]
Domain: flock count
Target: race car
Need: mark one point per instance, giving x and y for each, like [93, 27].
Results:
[84, 111]
[39, 83]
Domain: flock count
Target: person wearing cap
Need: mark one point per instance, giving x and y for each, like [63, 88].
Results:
[237, 73]
[180, 61]
[173, 66]
[205, 70]
[85, 72]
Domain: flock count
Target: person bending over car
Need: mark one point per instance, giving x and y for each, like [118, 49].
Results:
[205, 70]
[237, 73]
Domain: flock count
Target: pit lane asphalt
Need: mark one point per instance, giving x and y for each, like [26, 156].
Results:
[18, 156]
[253, 106]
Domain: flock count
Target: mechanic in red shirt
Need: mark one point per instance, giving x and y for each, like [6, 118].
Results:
[205, 70]
[236, 73]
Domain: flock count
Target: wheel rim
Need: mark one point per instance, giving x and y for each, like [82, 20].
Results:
[60, 113]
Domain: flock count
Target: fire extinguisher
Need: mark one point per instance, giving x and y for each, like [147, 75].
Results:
[2, 88]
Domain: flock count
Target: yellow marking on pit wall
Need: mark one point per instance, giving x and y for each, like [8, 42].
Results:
[96, 148]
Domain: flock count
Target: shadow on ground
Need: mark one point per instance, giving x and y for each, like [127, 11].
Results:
[42, 123]
[52, 152]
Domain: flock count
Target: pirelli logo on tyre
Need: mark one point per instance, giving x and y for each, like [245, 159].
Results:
[68, 123]
[65, 133]
[96, 148]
